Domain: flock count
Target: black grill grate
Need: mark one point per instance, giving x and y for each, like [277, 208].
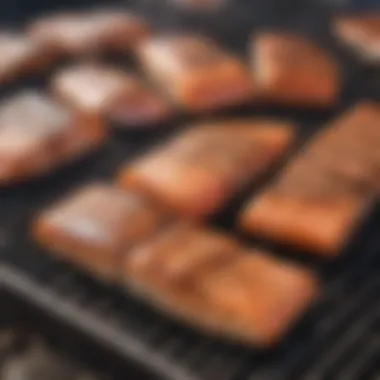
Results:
[338, 340]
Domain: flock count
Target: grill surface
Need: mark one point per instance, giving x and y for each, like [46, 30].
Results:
[339, 339]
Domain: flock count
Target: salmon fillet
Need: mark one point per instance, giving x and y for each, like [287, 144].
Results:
[110, 92]
[200, 169]
[322, 195]
[291, 70]
[211, 281]
[90, 32]
[361, 33]
[95, 225]
[196, 73]
[22, 56]
[38, 135]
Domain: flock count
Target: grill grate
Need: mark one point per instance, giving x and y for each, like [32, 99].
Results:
[339, 338]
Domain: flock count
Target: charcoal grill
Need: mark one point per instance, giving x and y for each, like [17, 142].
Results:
[339, 338]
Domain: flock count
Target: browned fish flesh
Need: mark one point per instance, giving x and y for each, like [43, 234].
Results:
[21, 56]
[105, 90]
[211, 281]
[196, 74]
[202, 168]
[96, 225]
[90, 32]
[290, 70]
[37, 135]
[362, 33]
[320, 198]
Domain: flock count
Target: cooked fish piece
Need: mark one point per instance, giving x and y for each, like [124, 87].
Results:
[21, 56]
[355, 176]
[362, 33]
[262, 296]
[320, 198]
[198, 171]
[38, 135]
[90, 32]
[108, 91]
[355, 137]
[322, 226]
[352, 142]
[290, 70]
[95, 226]
[179, 253]
[195, 72]
[211, 281]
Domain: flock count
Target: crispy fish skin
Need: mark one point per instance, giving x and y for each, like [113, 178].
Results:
[95, 225]
[362, 33]
[38, 135]
[196, 73]
[215, 284]
[200, 169]
[90, 33]
[110, 92]
[317, 202]
[290, 70]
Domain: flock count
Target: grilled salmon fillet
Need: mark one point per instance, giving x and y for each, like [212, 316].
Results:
[322, 195]
[197, 74]
[90, 32]
[105, 90]
[200, 169]
[38, 135]
[96, 225]
[290, 70]
[213, 282]
[361, 33]
[21, 56]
